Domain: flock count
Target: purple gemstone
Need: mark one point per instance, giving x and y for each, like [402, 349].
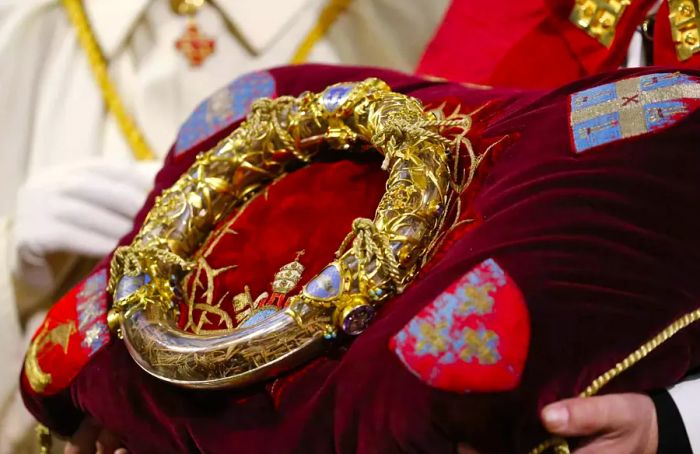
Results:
[326, 285]
[358, 320]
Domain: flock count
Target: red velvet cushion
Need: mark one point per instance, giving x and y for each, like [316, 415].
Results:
[285, 220]
[602, 245]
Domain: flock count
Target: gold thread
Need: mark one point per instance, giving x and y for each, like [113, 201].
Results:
[202, 267]
[37, 378]
[58, 335]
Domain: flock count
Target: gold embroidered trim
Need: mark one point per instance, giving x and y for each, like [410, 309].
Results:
[59, 336]
[598, 18]
[685, 27]
[559, 445]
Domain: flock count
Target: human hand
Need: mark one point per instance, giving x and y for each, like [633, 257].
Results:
[77, 210]
[610, 424]
[82, 209]
[90, 438]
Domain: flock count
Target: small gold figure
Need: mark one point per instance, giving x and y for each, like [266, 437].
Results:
[286, 279]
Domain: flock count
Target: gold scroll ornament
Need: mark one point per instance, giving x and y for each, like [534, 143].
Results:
[46, 338]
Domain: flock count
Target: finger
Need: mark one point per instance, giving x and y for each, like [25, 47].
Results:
[79, 241]
[122, 197]
[586, 416]
[602, 445]
[84, 439]
[83, 216]
[107, 443]
[140, 174]
[105, 169]
[148, 172]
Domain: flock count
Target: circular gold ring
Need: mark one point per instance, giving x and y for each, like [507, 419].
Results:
[376, 262]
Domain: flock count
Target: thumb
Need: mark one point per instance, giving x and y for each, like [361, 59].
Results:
[584, 416]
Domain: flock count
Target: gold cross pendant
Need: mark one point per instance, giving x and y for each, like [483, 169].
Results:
[195, 46]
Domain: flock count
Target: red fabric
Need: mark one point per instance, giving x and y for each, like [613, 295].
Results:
[664, 46]
[74, 329]
[525, 43]
[273, 228]
[473, 337]
[603, 246]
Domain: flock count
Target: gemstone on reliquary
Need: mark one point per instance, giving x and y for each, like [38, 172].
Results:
[259, 316]
[326, 285]
[335, 96]
[358, 320]
[130, 284]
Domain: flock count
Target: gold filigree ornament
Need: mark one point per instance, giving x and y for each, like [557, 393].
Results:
[377, 260]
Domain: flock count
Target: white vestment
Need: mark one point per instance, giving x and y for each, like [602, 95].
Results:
[53, 115]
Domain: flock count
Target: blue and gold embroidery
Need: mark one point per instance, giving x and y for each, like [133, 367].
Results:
[224, 108]
[432, 338]
[631, 107]
[481, 345]
[91, 308]
[473, 336]
[74, 329]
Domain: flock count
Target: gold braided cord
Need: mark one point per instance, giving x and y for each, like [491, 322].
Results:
[43, 438]
[639, 354]
[369, 244]
[330, 13]
[556, 444]
[127, 124]
[560, 445]
[98, 65]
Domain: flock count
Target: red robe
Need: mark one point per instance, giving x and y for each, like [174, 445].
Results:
[535, 44]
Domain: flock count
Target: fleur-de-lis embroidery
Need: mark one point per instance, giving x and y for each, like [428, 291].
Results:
[478, 299]
[431, 338]
[459, 342]
[480, 344]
